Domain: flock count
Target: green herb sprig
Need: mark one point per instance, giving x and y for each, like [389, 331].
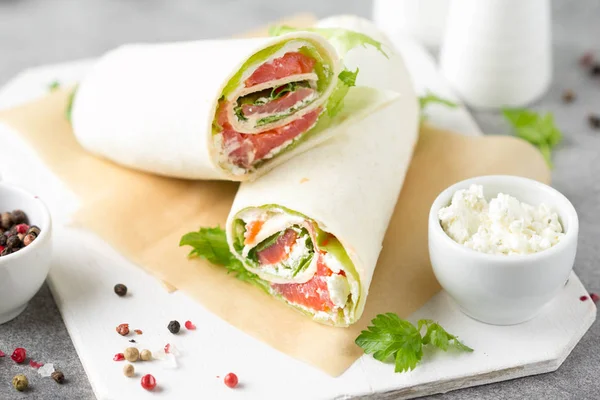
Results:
[53, 86]
[211, 244]
[391, 337]
[539, 130]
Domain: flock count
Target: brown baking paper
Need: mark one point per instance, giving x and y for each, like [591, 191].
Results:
[161, 210]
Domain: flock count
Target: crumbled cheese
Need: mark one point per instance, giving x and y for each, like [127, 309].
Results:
[502, 226]
[339, 290]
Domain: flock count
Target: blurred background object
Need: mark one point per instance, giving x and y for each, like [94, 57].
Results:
[498, 53]
[423, 20]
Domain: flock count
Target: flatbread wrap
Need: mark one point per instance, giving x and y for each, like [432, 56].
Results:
[216, 109]
[310, 232]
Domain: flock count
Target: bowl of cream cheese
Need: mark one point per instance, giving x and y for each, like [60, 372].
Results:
[502, 246]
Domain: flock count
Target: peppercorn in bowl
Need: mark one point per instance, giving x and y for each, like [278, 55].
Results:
[25, 248]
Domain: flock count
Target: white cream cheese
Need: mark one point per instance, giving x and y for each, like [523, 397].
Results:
[339, 290]
[502, 226]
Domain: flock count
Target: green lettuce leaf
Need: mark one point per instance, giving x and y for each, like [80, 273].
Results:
[70, 103]
[343, 40]
[346, 80]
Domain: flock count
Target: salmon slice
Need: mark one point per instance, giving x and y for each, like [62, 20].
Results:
[313, 294]
[245, 149]
[292, 63]
[277, 252]
[283, 103]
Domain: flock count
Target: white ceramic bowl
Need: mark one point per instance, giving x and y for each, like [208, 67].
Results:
[22, 273]
[503, 289]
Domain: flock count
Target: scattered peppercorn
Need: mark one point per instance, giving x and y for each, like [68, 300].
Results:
[129, 370]
[123, 329]
[138, 331]
[132, 341]
[174, 327]
[594, 121]
[34, 230]
[120, 289]
[28, 239]
[13, 242]
[231, 380]
[19, 217]
[595, 70]
[58, 377]
[189, 325]
[568, 96]
[146, 355]
[6, 221]
[119, 357]
[148, 382]
[19, 355]
[20, 383]
[131, 354]
[594, 297]
[583, 298]
[587, 59]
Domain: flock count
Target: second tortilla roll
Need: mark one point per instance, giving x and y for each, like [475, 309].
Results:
[214, 109]
[312, 229]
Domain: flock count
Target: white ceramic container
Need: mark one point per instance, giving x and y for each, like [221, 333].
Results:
[22, 273]
[503, 289]
[498, 53]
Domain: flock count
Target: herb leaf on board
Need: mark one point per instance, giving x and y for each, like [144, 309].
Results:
[388, 337]
[539, 130]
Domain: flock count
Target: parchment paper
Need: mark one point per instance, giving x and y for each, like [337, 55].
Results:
[161, 210]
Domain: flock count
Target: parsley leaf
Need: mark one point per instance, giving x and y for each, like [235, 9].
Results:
[211, 244]
[539, 130]
[346, 79]
[392, 337]
[54, 85]
[430, 98]
[343, 40]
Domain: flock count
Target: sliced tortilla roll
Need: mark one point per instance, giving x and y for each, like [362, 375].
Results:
[312, 229]
[216, 109]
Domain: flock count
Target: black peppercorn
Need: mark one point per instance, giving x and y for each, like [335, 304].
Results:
[174, 327]
[19, 217]
[120, 289]
[3, 240]
[6, 220]
[6, 251]
[594, 121]
[595, 70]
[13, 242]
[58, 377]
[34, 230]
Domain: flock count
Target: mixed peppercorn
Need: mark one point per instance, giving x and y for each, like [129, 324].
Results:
[15, 233]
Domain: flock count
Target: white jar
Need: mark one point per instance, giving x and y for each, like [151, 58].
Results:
[423, 20]
[497, 53]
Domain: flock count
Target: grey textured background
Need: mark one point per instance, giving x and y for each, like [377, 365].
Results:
[36, 32]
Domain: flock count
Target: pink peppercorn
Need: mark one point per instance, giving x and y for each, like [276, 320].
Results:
[148, 382]
[19, 355]
[231, 380]
[119, 357]
[583, 298]
[189, 325]
[22, 228]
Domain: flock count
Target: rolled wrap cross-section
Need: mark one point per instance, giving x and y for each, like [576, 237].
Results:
[313, 228]
[213, 109]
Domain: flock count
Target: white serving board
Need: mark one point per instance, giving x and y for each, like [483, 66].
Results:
[85, 269]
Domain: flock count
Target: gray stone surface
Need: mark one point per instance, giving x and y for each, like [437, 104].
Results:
[35, 32]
